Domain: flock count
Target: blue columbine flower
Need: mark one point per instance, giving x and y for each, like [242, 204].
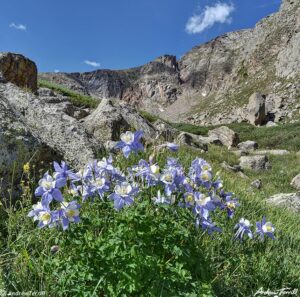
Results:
[265, 228]
[230, 205]
[69, 212]
[243, 227]
[208, 225]
[130, 142]
[49, 189]
[100, 186]
[123, 195]
[189, 199]
[44, 215]
[63, 171]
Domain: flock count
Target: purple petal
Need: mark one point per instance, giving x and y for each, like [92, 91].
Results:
[57, 195]
[60, 182]
[39, 191]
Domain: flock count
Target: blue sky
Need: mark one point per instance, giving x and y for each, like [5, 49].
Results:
[84, 35]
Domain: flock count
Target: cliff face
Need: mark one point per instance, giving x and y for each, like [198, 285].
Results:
[211, 83]
[150, 86]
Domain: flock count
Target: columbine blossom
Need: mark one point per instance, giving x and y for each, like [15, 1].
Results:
[230, 205]
[63, 171]
[49, 189]
[100, 186]
[265, 228]
[208, 225]
[189, 199]
[69, 212]
[44, 215]
[130, 142]
[123, 195]
[243, 227]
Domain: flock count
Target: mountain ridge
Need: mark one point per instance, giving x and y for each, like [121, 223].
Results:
[212, 79]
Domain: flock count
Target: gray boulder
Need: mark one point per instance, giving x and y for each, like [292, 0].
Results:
[227, 167]
[248, 145]
[226, 136]
[256, 109]
[165, 130]
[290, 201]
[106, 123]
[296, 182]
[110, 119]
[18, 70]
[50, 125]
[191, 140]
[256, 184]
[255, 163]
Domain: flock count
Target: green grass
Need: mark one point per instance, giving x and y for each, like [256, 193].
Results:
[76, 98]
[148, 116]
[283, 136]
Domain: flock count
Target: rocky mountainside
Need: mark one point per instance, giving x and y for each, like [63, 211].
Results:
[212, 83]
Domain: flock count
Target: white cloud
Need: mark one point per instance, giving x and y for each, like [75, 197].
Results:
[92, 63]
[218, 13]
[18, 27]
[56, 70]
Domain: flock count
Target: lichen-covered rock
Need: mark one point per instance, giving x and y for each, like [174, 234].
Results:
[50, 125]
[226, 136]
[256, 109]
[165, 130]
[248, 145]
[289, 200]
[191, 140]
[255, 163]
[105, 122]
[110, 119]
[18, 70]
[295, 183]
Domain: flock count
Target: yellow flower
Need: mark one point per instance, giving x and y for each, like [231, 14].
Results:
[26, 167]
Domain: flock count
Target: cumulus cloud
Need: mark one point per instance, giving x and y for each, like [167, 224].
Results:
[18, 26]
[92, 63]
[56, 70]
[218, 13]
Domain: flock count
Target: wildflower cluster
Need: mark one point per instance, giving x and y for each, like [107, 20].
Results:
[195, 189]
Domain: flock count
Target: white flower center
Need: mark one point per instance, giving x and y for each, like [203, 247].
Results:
[127, 137]
[267, 227]
[72, 213]
[168, 177]
[123, 190]
[154, 169]
[45, 217]
[46, 184]
[203, 200]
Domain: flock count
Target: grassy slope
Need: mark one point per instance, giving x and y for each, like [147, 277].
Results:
[76, 98]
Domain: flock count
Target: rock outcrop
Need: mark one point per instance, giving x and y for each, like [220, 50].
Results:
[256, 109]
[295, 183]
[226, 136]
[286, 200]
[18, 70]
[109, 120]
[255, 163]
